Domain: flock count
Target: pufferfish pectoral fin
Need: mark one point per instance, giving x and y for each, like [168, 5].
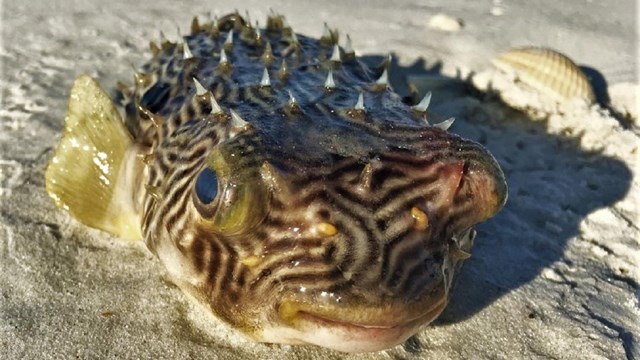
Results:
[90, 173]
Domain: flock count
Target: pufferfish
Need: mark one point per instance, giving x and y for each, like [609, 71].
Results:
[281, 182]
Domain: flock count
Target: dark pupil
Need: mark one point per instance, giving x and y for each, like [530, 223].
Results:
[207, 186]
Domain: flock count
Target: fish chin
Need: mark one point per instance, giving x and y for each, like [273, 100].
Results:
[343, 335]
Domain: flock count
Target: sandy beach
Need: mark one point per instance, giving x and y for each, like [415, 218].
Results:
[554, 276]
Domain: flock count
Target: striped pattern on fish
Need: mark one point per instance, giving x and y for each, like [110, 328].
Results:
[281, 182]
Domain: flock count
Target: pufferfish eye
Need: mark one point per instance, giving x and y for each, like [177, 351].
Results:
[230, 199]
[206, 188]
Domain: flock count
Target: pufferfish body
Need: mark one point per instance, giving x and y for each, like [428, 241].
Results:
[281, 182]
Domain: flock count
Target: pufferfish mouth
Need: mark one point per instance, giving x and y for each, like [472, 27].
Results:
[360, 325]
[354, 330]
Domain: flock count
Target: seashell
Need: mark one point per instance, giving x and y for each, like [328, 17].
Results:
[444, 22]
[547, 71]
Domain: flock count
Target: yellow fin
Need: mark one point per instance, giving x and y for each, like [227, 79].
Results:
[88, 173]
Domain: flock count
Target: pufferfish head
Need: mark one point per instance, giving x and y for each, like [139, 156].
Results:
[352, 247]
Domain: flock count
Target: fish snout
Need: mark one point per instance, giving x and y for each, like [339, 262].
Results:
[482, 191]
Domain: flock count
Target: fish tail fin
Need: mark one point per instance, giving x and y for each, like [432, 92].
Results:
[90, 173]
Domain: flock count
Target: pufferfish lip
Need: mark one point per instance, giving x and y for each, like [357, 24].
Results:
[357, 326]
[343, 332]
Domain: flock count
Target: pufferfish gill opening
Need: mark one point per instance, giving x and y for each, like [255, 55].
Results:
[281, 183]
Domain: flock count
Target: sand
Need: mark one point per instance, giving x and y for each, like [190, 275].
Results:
[554, 276]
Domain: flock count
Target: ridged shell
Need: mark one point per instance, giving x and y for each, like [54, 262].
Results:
[547, 71]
